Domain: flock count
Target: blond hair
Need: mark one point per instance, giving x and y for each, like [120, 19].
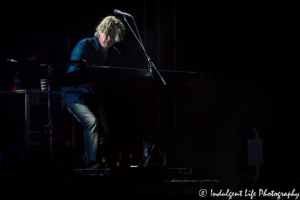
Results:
[111, 21]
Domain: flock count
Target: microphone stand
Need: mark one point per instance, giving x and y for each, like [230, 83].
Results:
[150, 67]
[151, 64]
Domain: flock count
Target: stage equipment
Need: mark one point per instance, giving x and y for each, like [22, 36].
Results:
[49, 67]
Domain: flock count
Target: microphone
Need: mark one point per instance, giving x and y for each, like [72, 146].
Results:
[118, 12]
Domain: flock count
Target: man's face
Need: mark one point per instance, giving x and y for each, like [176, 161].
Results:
[106, 41]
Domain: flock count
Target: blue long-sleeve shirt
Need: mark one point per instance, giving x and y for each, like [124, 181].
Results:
[89, 50]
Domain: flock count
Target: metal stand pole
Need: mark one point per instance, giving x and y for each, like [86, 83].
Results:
[49, 125]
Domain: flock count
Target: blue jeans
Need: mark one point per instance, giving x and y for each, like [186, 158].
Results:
[95, 130]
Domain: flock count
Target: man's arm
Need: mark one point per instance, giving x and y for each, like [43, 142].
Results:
[78, 53]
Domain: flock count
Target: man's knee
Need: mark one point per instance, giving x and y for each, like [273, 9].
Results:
[91, 121]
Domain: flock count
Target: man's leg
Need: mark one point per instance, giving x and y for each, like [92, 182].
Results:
[103, 123]
[84, 115]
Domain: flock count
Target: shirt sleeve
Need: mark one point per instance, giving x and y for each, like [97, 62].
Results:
[78, 53]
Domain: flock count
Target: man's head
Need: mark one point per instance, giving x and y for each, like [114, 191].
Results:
[109, 31]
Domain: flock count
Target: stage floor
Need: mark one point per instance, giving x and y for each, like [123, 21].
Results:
[138, 183]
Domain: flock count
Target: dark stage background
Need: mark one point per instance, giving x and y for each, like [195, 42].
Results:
[248, 46]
